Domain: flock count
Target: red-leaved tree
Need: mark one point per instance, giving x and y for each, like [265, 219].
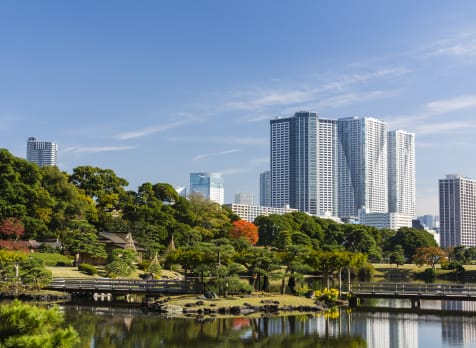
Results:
[12, 228]
[248, 230]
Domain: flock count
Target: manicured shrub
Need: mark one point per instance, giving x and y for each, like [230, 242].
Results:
[88, 269]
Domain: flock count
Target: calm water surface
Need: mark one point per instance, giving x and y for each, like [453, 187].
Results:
[452, 325]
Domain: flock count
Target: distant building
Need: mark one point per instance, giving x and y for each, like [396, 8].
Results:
[251, 212]
[457, 211]
[43, 153]
[392, 221]
[210, 185]
[265, 189]
[247, 198]
[427, 220]
[181, 191]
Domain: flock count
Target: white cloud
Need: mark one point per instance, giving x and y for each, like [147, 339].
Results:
[453, 104]
[461, 45]
[349, 98]
[420, 121]
[224, 140]
[214, 154]
[96, 149]
[259, 99]
[444, 127]
[149, 130]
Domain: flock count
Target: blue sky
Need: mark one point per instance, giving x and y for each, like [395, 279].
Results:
[155, 90]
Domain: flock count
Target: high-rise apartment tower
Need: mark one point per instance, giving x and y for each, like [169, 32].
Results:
[303, 163]
[457, 211]
[401, 172]
[43, 153]
[362, 167]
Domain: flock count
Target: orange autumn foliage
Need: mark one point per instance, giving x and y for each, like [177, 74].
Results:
[248, 230]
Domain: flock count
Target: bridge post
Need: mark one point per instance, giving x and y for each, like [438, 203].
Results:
[415, 303]
[353, 301]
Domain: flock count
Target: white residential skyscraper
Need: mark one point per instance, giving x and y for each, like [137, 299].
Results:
[363, 179]
[345, 167]
[43, 153]
[303, 160]
[210, 185]
[401, 172]
[457, 211]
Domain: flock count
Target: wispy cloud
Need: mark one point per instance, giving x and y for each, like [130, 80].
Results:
[259, 99]
[419, 121]
[214, 154]
[224, 140]
[453, 104]
[444, 127]
[460, 45]
[96, 149]
[140, 133]
[349, 98]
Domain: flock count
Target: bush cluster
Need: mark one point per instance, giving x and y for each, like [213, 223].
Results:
[88, 269]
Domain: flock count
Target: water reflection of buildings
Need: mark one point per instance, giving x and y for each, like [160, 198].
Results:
[458, 332]
[378, 329]
[386, 330]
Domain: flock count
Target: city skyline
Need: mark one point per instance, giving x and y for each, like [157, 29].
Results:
[156, 91]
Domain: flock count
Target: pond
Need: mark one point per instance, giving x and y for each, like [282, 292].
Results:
[437, 324]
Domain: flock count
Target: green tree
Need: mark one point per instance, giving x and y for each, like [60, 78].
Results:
[66, 202]
[104, 187]
[397, 256]
[122, 263]
[260, 263]
[81, 239]
[29, 326]
[295, 261]
[410, 239]
[34, 274]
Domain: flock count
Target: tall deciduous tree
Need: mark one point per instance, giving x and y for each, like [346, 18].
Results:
[248, 230]
[428, 256]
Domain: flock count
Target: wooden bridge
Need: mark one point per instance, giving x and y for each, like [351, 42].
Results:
[124, 286]
[412, 291]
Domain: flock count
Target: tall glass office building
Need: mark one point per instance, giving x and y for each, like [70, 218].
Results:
[210, 185]
[43, 153]
[303, 163]
[457, 211]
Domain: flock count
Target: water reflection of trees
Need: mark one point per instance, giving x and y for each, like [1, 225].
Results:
[127, 331]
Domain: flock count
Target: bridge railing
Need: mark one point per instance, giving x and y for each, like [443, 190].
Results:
[413, 288]
[132, 285]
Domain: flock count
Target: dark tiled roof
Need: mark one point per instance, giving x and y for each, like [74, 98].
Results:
[116, 238]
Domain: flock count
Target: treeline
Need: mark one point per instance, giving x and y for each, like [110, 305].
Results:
[46, 203]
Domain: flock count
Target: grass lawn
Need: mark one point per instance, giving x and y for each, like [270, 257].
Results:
[72, 272]
[253, 299]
